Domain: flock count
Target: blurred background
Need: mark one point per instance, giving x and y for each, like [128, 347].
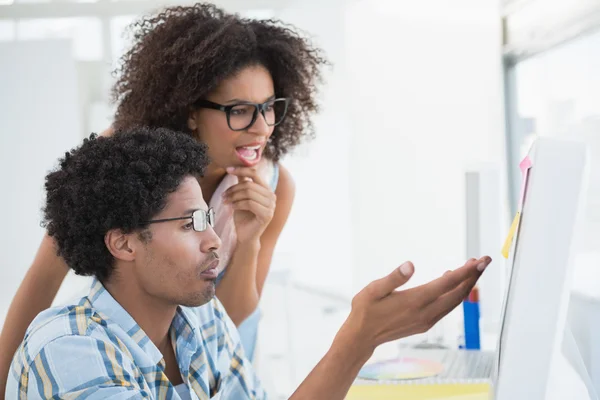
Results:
[427, 111]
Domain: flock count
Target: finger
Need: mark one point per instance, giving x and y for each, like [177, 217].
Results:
[108, 132]
[255, 208]
[246, 172]
[248, 186]
[384, 286]
[470, 260]
[436, 288]
[249, 195]
[448, 302]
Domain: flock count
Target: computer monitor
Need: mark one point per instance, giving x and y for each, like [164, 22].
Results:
[535, 305]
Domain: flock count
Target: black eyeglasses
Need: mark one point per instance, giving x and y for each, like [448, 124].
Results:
[241, 116]
[200, 219]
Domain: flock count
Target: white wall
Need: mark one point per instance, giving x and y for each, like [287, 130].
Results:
[39, 120]
[317, 241]
[426, 103]
[413, 101]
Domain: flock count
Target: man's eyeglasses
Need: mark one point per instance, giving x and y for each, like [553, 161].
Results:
[241, 116]
[200, 219]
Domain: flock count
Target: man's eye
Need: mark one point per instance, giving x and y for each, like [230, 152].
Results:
[189, 226]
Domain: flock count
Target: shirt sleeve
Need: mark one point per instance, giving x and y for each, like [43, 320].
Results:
[238, 377]
[79, 367]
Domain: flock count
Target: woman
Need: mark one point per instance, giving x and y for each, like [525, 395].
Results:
[229, 82]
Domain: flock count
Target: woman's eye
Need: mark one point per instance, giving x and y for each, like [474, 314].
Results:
[189, 226]
[238, 111]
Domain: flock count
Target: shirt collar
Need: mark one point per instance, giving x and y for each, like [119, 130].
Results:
[112, 311]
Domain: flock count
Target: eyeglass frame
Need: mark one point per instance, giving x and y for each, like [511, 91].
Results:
[258, 108]
[209, 219]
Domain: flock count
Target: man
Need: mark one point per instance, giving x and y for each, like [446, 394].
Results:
[129, 211]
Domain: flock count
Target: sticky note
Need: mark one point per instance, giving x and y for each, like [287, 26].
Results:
[524, 166]
[511, 235]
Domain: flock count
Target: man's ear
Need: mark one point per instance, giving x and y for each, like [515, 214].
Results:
[121, 245]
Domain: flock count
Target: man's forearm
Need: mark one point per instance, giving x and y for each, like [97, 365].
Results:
[332, 377]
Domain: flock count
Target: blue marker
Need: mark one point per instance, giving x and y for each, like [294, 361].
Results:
[471, 313]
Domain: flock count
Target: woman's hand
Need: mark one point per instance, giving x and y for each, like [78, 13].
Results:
[108, 132]
[253, 203]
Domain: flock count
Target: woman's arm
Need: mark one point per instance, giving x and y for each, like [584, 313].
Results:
[35, 294]
[242, 285]
[285, 193]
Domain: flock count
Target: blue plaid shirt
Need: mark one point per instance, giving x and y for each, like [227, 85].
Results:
[95, 350]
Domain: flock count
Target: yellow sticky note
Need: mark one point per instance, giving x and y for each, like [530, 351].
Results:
[511, 234]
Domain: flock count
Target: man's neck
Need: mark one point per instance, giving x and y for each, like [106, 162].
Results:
[153, 316]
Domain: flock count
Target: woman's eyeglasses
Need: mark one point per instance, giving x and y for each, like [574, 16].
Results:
[241, 116]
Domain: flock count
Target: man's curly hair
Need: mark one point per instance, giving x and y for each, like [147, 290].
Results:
[183, 53]
[119, 182]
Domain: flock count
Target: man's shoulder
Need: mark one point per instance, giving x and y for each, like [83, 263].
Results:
[71, 349]
[55, 323]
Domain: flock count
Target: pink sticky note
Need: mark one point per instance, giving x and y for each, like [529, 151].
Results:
[525, 165]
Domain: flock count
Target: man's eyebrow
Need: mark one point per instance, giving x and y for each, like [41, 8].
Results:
[188, 213]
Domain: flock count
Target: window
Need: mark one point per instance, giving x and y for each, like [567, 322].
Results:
[260, 14]
[557, 93]
[120, 38]
[7, 30]
[85, 33]
[32, 1]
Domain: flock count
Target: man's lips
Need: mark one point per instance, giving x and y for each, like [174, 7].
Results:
[210, 270]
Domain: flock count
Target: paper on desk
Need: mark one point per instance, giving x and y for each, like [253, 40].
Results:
[467, 397]
[442, 391]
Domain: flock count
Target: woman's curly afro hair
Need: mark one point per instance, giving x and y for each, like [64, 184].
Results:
[117, 182]
[182, 54]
